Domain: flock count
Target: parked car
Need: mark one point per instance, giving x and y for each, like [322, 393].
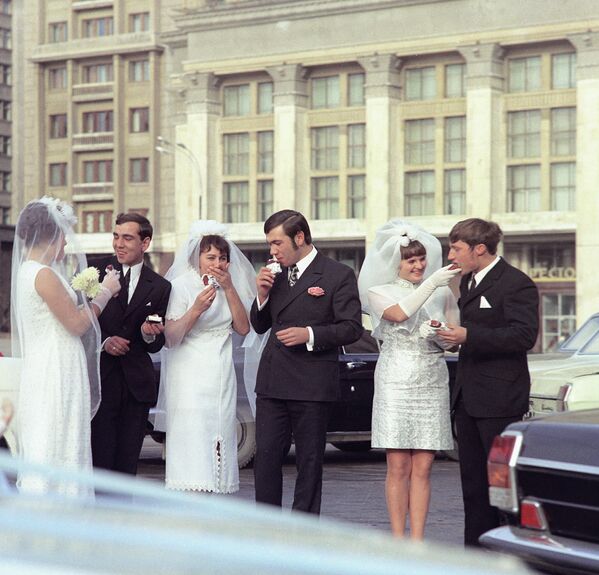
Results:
[544, 477]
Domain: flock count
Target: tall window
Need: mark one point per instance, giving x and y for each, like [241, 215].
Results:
[420, 193]
[563, 71]
[5, 216]
[57, 174]
[95, 27]
[356, 145]
[57, 32]
[524, 188]
[356, 196]
[57, 78]
[6, 110]
[236, 100]
[5, 7]
[455, 191]
[6, 75]
[325, 148]
[421, 83]
[97, 73]
[325, 198]
[5, 181]
[139, 120]
[355, 90]
[97, 171]
[266, 152]
[420, 141]
[559, 319]
[58, 126]
[5, 38]
[97, 122]
[455, 80]
[524, 74]
[265, 98]
[139, 71]
[236, 154]
[97, 221]
[236, 203]
[563, 186]
[138, 170]
[455, 139]
[6, 145]
[265, 199]
[563, 131]
[139, 22]
[326, 92]
[524, 134]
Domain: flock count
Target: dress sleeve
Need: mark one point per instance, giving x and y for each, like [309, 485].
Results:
[383, 297]
[179, 301]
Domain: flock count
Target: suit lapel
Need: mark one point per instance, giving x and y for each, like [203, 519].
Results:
[487, 282]
[144, 285]
[310, 276]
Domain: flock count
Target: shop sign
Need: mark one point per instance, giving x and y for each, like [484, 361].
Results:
[557, 273]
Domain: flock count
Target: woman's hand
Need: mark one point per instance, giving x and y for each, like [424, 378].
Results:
[204, 300]
[111, 282]
[223, 277]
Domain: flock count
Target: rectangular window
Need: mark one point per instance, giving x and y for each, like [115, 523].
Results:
[6, 75]
[236, 203]
[265, 199]
[421, 83]
[139, 22]
[236, 100]
[356, 145]
[455, 75]
[356, 196]
[455, 191]
[97, 222]
[97, 171]
[57, 32]
[524, 188]
[326, 92]
[139, 71]
[58, 126]
[355, 90]
[57, 78]
[420, 141]
[95, 27]
[265, 98]
[265, 152]
[5, 38]
[524, 134]
[420, 193]
[138, 170]
[563, 186]
[563, 71]
[5, 216]
[563, 131]
[524, 74]
[5, 7]
[6, 145]
[97, 73]
[5, 182]
[455, 139]
[57, 174]
[6, 110]
[139, 120]
[236, 153]
[325, 148]
[325, 198]
[97, 122]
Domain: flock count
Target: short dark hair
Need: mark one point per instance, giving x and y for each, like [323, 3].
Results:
[292, 222]
[218, 242]
[36, 224]
[474, 231]
[145, 227]
[413, 249]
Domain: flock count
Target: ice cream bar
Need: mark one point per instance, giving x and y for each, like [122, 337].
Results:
[274, 266]
[435, 323]
[209, 280]
[154, 318]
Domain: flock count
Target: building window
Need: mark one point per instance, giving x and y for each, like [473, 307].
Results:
[6, 75]
[455, 139]
[236, 203]
[356, 196]
[6, 7]
[57, 32]
[455, 80]
[236, 100]
[5, 182]
[99, 221]
[325, 148]
[265, 152]
[139, 71]
[5, 216]
[5, 38]
[97, 122]
[559, 319]
[57, 174]
[563, 71]
[524, 188]
[97, 73]
[420, 141]
[236, 151]
[6, 110]
[355, 90]
[95, 27]
[356, 146]
[455, 191]
[97, 171]
[6, 145]
[58, 126]
[326, 92]
[139, 120]
[325, 198]
[138, 170]
[420, 193]
[563, 186]
[265, 199]
[265, 98]
[421, 83]
[563, 131]
[57, 78]
[524, 134]
[524, 74]
[139, 22]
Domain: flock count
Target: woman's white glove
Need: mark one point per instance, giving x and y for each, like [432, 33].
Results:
[109, 288]
[414, 301]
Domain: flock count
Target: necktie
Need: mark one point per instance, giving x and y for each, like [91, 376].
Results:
[293, 275]
[472, 285]
[124, 293]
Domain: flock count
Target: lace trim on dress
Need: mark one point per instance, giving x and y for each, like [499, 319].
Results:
[404, 283]
[180, 486]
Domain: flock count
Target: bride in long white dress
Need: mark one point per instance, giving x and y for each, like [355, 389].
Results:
[56, 333]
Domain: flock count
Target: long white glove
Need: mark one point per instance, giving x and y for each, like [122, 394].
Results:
[110, 287]
[414, 301]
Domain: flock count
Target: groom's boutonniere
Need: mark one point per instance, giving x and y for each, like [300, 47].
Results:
[87, 282]
[316, 291]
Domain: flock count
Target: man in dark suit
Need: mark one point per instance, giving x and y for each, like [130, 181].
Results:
[312, 307]
[499, 324]
[128, 382]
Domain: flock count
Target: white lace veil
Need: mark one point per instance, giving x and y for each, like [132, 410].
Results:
[43, 227]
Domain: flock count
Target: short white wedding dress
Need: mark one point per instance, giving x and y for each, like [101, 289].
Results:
[201, 396]
[54, 397]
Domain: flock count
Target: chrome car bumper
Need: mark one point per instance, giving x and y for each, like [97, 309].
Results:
[556, 554]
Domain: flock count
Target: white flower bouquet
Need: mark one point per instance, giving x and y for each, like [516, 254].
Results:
[87, 282]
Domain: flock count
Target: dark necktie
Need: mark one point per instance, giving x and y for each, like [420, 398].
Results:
[472, 285]
[124, 293]
[293, 275]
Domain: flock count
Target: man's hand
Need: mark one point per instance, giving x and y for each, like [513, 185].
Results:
[154, 329]
[264, 282]
[293, 336]
[454, 334]
[116, 345]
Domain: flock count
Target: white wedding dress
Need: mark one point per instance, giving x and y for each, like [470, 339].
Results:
[54, 397]
[201, 396]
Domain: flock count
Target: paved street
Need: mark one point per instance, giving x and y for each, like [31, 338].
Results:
[353, 489]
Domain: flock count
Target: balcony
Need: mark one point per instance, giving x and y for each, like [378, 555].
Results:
[93, 92]
[91, 4]
[93, 142]
[92, 192]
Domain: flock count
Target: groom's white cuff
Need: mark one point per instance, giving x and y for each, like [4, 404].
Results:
[310, 342]
[261, 305]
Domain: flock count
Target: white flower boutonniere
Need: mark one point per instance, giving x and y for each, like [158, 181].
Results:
[87, 282]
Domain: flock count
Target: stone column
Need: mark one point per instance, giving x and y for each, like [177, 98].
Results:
[383, 158]
[587, 172]
[291, 149]
[485, 155]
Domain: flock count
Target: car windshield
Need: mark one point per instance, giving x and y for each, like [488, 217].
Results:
[591, 347]
[583, 337]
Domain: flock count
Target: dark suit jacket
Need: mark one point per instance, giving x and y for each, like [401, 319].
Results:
[335, 318]
[492, 371]
[150, 297]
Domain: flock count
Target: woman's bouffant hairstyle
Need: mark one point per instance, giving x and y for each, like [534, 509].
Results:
[413, 249]
[218, 242]
[474, 231]
[37, 224]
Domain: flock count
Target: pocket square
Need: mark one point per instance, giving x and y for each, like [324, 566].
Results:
[150, 303]
[484, 303]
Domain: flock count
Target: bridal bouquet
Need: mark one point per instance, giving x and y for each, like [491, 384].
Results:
[87, 282]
